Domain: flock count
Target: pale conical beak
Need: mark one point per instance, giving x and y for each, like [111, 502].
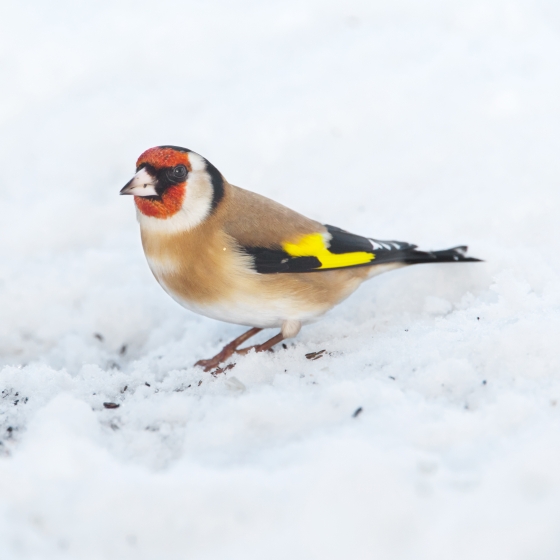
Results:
[142, 184]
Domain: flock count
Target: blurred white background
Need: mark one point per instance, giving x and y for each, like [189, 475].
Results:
[434, 122]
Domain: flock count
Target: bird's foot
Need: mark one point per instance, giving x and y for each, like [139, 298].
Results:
[211, 363]
[227, 351]
[219, 358]
[222, 369]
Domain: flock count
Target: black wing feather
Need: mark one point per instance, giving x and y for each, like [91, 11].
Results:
[346, 242]
[267, 261]
[273, 261]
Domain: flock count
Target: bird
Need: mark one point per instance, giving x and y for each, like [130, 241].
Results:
[236, 256]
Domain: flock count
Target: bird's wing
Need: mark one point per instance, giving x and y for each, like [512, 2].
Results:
[328, 250]
[256, 221]
[281, 240]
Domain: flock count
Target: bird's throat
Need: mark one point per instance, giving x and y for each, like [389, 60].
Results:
[168, 205]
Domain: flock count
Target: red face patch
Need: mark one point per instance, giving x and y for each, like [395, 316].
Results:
[164, 157]
[170, 203]
[172, 199]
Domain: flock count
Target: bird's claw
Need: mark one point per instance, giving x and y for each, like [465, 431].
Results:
[222, 369]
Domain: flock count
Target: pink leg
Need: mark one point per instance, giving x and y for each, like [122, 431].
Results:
[227, 351]
[264, 346]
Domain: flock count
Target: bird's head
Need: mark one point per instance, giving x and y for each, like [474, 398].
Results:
[175, 185]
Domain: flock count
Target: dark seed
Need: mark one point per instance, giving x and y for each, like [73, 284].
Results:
[357, 412]
[391, 377]
[122, 351]
[285, 346]
[111, 405]
[315, 355]
[484, 382]
[200, 383]
[99, 336]
[147, 384]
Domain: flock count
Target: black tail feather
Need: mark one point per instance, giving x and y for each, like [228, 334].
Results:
[455, 254]
[411, 255]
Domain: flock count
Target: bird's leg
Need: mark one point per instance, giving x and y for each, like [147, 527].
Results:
[290, 328]
[227, 351]
[264, 346]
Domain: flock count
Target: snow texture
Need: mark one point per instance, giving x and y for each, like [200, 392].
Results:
[430, 426]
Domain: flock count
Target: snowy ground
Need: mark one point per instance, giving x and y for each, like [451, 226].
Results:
[435, 122]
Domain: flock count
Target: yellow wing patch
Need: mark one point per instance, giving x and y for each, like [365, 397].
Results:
[313, 245]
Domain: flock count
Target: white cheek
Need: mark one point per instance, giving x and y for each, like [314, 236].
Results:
[198, 200]
[198, 163]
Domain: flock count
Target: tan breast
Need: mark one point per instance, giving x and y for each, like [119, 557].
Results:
[204, 270]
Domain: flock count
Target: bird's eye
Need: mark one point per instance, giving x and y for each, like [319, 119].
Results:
[177, 173]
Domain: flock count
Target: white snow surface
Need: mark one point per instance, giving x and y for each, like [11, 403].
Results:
[433, 122]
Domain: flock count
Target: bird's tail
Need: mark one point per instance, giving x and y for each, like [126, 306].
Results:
[398, 252]
[391, 252]
[455, 254]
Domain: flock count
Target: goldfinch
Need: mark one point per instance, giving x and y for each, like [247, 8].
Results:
[236, 256]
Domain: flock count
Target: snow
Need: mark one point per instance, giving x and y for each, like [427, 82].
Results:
[432, 122]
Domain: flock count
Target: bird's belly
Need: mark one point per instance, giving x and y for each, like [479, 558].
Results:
[250, 309]
[251, 300]
[257, 314]
[236, 294]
